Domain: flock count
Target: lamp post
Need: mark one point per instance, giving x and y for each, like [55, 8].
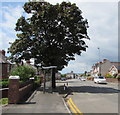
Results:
[99, 62]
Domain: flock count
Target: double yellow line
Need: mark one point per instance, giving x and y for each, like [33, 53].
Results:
[73, 107]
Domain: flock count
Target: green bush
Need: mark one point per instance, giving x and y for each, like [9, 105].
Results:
[63, 75]
[109, 76]
[37, 81]
[90, 78]
[89, 74]
[3, 101]
[4, 83]
[25, 72]
[118, 76]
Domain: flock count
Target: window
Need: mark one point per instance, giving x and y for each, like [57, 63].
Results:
[101, 77]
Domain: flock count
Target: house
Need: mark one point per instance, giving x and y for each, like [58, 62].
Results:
[30, 64]
[103, 67]
[5, 65]
[70, 75]
[114, 70]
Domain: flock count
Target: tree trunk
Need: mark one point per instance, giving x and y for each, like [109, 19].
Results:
[53, 79]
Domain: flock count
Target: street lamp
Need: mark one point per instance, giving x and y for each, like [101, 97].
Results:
[99, 62]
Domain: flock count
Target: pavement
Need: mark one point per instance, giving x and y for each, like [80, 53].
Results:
[38, 103]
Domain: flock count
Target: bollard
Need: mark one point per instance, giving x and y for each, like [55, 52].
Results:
[67, 84]
[64, 87]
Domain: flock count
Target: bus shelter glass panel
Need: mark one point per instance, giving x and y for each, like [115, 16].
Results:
[48, 80]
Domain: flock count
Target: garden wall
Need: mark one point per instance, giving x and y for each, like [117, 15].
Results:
[112, 80]
[16, 93]
[24, 91]
[4, 93]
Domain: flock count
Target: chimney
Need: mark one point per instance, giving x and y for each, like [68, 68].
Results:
[2, 52]
[104, 60]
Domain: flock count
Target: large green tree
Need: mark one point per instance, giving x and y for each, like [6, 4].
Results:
[52, 35]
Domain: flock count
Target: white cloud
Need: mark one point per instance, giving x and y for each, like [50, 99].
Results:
[4, 40]
[10, 15]
[9, 18]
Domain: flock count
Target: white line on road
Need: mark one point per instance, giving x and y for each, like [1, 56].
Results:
[66, 107]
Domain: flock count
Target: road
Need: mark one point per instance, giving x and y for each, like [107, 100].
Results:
[94, 98]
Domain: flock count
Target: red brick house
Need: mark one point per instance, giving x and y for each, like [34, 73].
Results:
[5, 66]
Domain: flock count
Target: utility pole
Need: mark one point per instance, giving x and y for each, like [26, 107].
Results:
[99, 62]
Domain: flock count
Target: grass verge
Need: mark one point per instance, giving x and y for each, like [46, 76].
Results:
[3, 101]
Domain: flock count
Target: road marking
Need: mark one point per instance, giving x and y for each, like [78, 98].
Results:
[73, 107]
[66, 106]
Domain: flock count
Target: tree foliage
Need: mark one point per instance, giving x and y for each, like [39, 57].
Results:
[25, 72]
[52, 35]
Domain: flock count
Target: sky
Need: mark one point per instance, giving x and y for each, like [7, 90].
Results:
[102, 16]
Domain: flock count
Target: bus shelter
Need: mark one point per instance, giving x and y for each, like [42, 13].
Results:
[47, 79]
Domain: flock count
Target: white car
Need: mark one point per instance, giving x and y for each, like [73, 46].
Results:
[83, 79]
[100, 79]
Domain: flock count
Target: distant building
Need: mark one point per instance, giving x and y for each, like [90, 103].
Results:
[58, 75]
[70, 75]
[104, 67]
[5, 65]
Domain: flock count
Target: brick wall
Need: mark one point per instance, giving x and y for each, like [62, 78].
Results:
[3, 71]
[24, 91]
[4, 93]
[112, 80]
[15, 93]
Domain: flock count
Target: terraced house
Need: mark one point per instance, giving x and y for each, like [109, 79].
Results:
[5, 65]
[105, 67]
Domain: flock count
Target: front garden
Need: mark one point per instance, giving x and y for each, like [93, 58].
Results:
[112, 76]
[27, 76]
[25, 73]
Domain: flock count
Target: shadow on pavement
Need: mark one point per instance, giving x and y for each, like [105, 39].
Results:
[27, 103]
[59, 89]
[93, 89]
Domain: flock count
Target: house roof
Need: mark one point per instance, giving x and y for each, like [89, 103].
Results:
[114, 66]
[118, 67]
[3, 59]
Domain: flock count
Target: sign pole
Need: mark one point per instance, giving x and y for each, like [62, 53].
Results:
[44, 80]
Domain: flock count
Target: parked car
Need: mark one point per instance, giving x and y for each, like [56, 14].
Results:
[100, 79]
[83, 79]
[63, 79]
